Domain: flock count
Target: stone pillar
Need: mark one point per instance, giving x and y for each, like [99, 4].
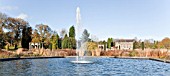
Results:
[93, 53]
[98, 52]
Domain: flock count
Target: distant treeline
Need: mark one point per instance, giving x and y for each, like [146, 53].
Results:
[17, 32]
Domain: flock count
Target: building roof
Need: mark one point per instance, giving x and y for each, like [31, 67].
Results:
[124, 40]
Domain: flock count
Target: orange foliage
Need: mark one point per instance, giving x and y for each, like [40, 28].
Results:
[165, 43]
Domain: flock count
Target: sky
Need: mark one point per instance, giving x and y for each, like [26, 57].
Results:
[123, 19]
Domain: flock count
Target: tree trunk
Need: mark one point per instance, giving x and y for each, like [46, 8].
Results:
[15, 46]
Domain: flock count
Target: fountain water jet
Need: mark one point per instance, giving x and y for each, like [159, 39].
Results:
[80, 45]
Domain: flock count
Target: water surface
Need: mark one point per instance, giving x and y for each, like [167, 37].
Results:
[102, 66]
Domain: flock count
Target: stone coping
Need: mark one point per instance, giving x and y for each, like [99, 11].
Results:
[124, 57]
[19, 58]
[160, 60]
[45, 57]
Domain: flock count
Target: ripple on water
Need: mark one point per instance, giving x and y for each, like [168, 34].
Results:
[102, 66]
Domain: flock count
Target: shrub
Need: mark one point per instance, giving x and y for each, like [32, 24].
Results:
[133, 53]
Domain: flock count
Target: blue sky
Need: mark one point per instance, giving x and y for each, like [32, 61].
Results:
[144, 19]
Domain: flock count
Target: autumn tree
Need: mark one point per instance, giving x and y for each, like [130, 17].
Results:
[160, 45]
[16, 25]
[5, 37]
[3, 18]
[165, 43]
[45, 33]
[47, 40]
[35, 36]
[92, 46]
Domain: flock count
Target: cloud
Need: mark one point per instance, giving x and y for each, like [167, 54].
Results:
[22, 16]
[8, 8]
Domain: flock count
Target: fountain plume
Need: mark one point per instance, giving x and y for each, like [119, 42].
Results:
[81, 44]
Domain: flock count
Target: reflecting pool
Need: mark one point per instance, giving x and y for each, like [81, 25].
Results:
[100, 67]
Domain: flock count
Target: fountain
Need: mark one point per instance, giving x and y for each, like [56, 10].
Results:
[81, 44]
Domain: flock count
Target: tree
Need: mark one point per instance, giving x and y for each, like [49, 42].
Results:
[137, 44]
[3, 18]
[105, 46]
[155, 46]
[5, 23]
[71, 43]
[1, 37]
[26, 37]
[65, 42]
[45, 33]
[60, 43]
[47, 40]
[92, 46]
[72, 32]
[16, 26]
[35, 36]
[134, 45]
[1, 29]
[143, 45]
[54, 40]
[7, 38]
[165, 43]
[149, 44]
[71, 39]
[57, 41]
[109, 42]
[85, 36]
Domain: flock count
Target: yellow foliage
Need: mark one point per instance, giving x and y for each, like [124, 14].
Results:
[91, 46]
